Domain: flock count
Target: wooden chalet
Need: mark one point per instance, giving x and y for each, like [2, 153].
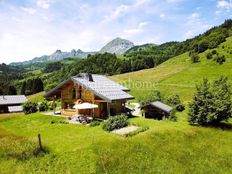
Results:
[157, 110]
[12, 103]
[110, 97]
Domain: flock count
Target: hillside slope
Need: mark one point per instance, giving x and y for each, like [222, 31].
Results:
[179, 75]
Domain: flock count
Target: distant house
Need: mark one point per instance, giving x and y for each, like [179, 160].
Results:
[157, 110]
[109, 96]
[12, 103]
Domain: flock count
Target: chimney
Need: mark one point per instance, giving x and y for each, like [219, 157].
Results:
[90, 77]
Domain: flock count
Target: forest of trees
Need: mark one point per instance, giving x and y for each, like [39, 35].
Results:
[32, 86]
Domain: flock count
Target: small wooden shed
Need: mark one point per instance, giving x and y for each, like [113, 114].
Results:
[12, 103]
[156, 110]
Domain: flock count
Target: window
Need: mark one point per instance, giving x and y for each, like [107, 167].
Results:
[74, 93]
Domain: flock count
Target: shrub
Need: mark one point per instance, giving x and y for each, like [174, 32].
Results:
[180, 107]
[211, 103]
[175, 101]
[30, 107]
[220, 59]
[43, 106]
[150, 97]
[52, 105]
[195, 58]
[94, 123]
[209, 55]
[115, 122]
[172, 115]
[214, 52]
[50, 86]
[58, 122]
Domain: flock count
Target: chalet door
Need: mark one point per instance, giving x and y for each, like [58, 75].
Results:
[103, 109]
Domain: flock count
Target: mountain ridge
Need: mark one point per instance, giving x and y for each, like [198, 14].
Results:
[117, 45]
[57, 55]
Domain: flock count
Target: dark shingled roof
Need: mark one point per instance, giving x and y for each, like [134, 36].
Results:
[160, 105]
[12, 99]
[100, 85]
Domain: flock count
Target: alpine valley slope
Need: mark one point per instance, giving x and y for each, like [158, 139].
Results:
[179, 75]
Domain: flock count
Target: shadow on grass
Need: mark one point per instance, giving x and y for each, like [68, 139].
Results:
[223, 126]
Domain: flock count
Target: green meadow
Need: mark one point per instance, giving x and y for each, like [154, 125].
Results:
[166, 147]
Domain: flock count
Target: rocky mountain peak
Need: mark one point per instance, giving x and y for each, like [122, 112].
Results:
[118, 46]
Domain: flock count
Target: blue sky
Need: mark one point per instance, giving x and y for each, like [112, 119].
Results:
[32, 28]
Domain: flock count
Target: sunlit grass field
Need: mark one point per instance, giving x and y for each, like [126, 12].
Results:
[36, 97]
[166, 147]
[179, 75]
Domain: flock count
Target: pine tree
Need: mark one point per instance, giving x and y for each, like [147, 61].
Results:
[12, 90]
[211, 103]
[23, 88]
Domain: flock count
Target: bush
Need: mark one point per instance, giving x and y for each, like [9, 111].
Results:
[43, 106]
[180, 107]
[30, 107]
[52, 105]
[175, 101]
[211, 103]
[195, 58]
[150, 97]
[214, 52]
[58, 122]
[50, 86]
[94, 123]
[115, 122]
[209, 55]
[220, 59]
[172, 115]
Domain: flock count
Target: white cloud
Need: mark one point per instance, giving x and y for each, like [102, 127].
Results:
[194, 16]
[120, 10]
[218, 12]
[132, 31]
[142, 24]
[139, 3]
[195, 25]
[123, 9]
[162, 16]
[224, 4]
[45, 4]
[29, 10]
[174, 1]
[138, 29]
[189, 34]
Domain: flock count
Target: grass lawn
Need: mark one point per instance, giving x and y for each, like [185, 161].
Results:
[166, 147]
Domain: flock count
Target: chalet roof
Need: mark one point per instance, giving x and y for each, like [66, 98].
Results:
[160, 105]
[12, 99]
[100, 85]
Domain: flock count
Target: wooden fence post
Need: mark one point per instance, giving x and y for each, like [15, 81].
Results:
[40, 143]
